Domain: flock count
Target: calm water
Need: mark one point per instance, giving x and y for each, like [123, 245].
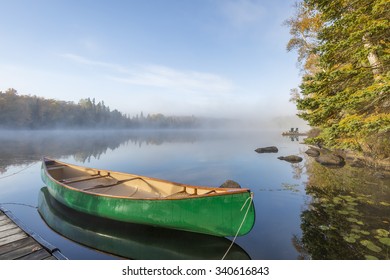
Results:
[303, 210]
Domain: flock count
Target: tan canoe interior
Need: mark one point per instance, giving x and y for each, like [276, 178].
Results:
[123, 184]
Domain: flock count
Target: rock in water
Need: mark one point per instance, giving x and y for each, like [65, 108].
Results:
[292, 159]
[271, 149]
[359, 163]
[312, 152]
[330, 160]
[230, 184]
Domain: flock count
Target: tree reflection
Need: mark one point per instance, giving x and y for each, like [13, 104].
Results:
[348, 215]
[25, 147]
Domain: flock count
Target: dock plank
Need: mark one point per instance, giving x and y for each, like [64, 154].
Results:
[37, 255]
[9, 232]
[8, 226]
[16, 245]
[50, 258]
[19, 243]
[21, 251]
[3, 222]
[12, 238]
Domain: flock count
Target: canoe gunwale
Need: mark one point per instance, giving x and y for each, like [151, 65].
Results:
[212, 190]
[219, 214]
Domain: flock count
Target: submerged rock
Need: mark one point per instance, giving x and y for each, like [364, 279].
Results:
[292, 159]
[312, 152]
[379, 175]
[271, 149]
[331, 160]
[356, 162]
[230, 184]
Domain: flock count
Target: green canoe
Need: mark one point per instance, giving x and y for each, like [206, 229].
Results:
[138, 199]
[133, 241]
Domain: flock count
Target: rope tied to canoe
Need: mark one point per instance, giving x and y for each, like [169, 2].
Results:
[19, 204]
[28, 166]
[250, 199]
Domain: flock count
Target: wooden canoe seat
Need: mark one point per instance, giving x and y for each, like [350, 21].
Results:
[114, 184]
[212, 191]
[184, 193]
[137, 192]
[82, 178]
[54, 167]
[180, 194]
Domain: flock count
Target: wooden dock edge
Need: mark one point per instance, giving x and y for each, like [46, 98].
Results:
[54, 251]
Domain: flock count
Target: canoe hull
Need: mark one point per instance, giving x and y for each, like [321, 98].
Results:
[220, 215]
[133, 241]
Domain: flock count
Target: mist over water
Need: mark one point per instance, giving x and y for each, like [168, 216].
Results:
[285, 195]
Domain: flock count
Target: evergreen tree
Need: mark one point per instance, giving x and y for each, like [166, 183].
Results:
[25, 111]
[347, 93]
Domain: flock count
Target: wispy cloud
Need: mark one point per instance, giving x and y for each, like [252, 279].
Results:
[243, 12]
[159, 76]
[166, 77]
[82, 60]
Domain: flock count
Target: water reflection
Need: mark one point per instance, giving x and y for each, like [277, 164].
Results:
[332, 213]
[293, 138]
[25, 147]
[348, 216]
[130, 240]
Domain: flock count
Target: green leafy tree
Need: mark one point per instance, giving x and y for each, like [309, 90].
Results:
[25, 111]
[347, 93]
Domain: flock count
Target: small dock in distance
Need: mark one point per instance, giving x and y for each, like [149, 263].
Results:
[19, 243]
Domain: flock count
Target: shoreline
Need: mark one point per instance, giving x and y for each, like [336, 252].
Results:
[357, 160]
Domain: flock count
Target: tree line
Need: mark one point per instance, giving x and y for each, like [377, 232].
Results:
[32, 112]
[343, 50]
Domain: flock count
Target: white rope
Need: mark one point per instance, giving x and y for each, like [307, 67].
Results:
[21, 204]
[246, 213]
[18, 171]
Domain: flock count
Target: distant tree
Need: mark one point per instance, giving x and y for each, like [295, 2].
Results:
[25, 111]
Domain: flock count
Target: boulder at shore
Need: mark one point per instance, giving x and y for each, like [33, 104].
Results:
[292, 159]
[271, 149]
[230, 184]
[312, 152]
[330, 160]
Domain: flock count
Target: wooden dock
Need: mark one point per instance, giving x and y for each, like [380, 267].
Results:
[17, 242]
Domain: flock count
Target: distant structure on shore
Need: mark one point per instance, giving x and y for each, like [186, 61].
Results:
[293, 132]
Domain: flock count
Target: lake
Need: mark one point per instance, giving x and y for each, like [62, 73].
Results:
[303, 210]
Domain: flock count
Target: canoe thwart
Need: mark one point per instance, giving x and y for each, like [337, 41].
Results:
[116, 183]
[54, 167]
[83, 178]
[180, 194]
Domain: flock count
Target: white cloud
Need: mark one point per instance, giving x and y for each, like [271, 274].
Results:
[166, 77]
[86, 61]
[159, 76]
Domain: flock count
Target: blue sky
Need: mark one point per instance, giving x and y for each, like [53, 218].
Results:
[176, 57]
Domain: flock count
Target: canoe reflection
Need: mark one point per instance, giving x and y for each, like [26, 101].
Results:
[132, 241]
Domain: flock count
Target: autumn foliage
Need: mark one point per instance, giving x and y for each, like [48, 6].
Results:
[343, 48]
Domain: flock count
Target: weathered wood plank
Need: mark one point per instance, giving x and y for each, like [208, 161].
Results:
[50, 258]
[5, 221]
[21, 252]
[8, 226]
[37, 255]
[16, 245]
[9, 232]
[12, 238]
[18, 242]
